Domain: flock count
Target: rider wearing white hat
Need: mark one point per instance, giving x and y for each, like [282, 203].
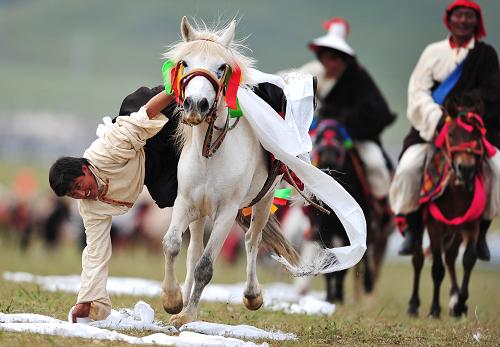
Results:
[348, 94]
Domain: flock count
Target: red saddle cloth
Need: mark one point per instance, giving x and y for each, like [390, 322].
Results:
[435, 178]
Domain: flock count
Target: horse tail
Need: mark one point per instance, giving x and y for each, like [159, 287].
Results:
[272, 238]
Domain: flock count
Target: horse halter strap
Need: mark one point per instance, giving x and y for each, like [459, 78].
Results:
[476, 147]
[209, 147]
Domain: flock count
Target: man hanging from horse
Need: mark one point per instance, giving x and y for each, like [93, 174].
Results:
[459, 65]
[137, 148]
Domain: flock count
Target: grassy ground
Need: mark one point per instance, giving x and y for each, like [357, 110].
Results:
[380, 320]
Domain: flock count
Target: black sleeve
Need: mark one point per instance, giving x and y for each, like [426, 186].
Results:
[272, 95]
[367, 117]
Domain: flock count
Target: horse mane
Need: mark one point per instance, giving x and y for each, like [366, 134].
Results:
[207, 43]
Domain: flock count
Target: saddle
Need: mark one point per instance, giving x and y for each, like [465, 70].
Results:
[435, 177]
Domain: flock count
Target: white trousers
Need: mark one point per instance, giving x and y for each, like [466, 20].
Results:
[404, 192]
[377, 174]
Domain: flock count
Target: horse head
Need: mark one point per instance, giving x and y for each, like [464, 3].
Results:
[462, 138]
[205, 62]
[331, 142]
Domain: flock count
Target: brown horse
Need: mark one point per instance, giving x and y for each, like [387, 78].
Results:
[334, 153]
[453, 211]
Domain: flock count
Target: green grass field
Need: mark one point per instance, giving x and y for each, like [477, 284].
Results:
[380, 320]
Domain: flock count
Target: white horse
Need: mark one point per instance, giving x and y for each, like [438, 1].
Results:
[218, 175]
[219, 186]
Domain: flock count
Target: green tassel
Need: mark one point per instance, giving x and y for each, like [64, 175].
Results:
[166, 72]
[236, 113]
[285, 193]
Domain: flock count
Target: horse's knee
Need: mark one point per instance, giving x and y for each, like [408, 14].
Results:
[470, 257]
[437, 271]
[204, 270]
[171, 243]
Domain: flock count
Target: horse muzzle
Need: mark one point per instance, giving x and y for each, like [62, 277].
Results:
[195, 110]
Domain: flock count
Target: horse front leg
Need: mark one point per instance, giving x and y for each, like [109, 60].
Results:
[435, 235]
[449, 258]
[469, 260]
[194, 252]
[171, 294]
[417, 261]
[252, 295]
[203, 271]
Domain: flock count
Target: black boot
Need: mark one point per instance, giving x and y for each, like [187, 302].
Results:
[411, 233]
[483, 252]
[408, 244]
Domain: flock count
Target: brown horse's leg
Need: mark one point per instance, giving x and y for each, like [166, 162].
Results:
[436, 232]
[418, 262]
[469, 260]
[450, 256]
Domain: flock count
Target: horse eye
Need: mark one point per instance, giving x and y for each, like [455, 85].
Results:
[220, 70]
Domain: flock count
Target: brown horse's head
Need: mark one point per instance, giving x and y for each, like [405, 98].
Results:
[462, 137]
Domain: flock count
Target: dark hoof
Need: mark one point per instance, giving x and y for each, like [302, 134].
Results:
[412, 312]
[435, 313]
[458, 311]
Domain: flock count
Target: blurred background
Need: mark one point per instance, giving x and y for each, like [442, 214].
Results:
[66, 64]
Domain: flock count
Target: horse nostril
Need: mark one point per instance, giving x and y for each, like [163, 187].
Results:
[203, 105]
[188, 102]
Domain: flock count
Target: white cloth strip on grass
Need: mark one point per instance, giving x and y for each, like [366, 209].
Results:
[241, 331]
[141, 318]
[277, 296]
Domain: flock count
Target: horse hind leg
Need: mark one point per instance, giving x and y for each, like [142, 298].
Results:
[252, 296]
[203, 271]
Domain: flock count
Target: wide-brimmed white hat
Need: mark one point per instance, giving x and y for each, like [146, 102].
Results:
[337, 31]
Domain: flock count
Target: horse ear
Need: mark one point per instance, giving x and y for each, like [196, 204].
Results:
[187, 31]
[228, 35]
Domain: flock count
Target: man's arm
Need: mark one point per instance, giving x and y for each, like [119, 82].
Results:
[95, 258]
[158, 103]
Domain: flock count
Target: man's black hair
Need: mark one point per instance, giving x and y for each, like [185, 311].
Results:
[63, 172]
[348, 59]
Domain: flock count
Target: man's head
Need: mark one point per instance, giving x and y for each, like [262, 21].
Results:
[72, 177]
[334, 61]
[464, 20]
[332, 49]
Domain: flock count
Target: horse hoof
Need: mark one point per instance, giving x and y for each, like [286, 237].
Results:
[412, 312]
[172, 302]
[253, 302]
[178, 320]
[434, 314]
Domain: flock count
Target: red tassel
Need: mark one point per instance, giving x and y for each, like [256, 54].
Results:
[232, 87]
[442, 135]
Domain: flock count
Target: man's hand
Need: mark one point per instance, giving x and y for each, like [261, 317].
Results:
[158, 103]
[80, 311]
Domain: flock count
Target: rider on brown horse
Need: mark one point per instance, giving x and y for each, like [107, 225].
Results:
[458, 65]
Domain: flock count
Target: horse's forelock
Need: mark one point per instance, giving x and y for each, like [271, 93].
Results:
[207, 43]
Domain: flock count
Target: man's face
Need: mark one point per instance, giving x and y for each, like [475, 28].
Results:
[85, 186]
[463, 23]
[333, 64]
